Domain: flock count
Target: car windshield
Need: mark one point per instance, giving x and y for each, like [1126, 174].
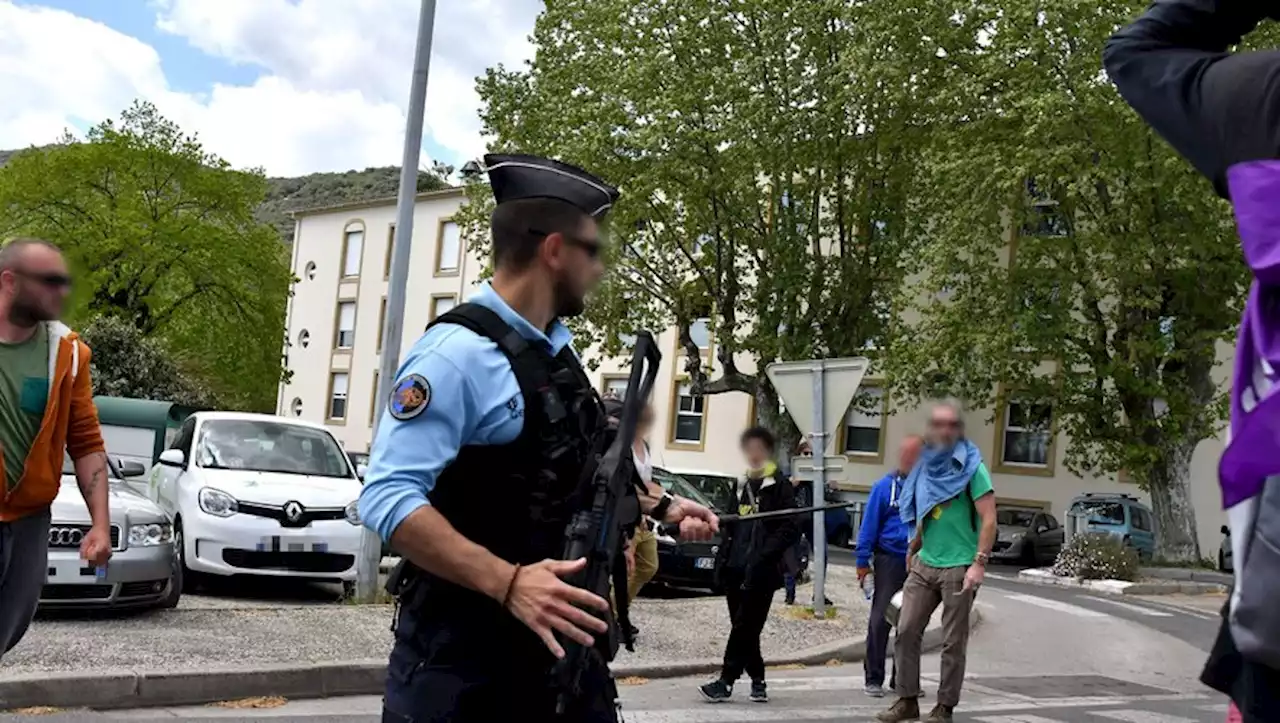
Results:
[1014, 518]
[717, 487]
[677, 485]
[1101, 513]
[268, 446]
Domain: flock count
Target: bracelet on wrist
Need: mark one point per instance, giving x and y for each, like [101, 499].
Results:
[511, 586]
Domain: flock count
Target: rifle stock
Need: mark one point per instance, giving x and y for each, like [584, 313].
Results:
[596, 533]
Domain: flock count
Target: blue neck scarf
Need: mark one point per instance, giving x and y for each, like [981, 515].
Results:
[939, 475]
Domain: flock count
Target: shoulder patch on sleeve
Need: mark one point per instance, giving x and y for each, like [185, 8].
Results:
[410, 397]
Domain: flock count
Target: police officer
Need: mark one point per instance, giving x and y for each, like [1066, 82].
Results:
[477, 466]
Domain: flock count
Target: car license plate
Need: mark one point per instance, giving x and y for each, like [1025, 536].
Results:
[277, 543]
[705, 563]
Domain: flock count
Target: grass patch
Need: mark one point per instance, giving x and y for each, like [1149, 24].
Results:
[36, 710]
[788, 666]
[805, 612]
[632, 680]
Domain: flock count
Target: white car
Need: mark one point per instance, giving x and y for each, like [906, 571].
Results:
[142, 571]
[253, 494]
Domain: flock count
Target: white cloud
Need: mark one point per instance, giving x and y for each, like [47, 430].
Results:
[331, 97]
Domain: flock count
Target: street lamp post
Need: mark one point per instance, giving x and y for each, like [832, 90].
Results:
[370, 544]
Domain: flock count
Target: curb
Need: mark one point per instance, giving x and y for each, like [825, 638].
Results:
[1188, 575]
[124, 688]
[1121, 587]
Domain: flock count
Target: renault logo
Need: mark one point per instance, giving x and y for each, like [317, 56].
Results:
[65, 536]
[293, 511]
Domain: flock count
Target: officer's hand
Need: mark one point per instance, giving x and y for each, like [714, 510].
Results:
[544, 602]
[696, 522]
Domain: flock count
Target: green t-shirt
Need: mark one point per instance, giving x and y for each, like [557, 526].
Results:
[950, 537]
[24, 391]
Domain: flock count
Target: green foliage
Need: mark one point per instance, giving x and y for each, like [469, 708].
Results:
[163, 236]
[1097, 556]
[765, 149]
[1126, 273]
[127, 364]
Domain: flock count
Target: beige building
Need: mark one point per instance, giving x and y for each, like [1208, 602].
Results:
[341, 257]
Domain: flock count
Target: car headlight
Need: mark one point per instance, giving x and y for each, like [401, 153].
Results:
[352, 511]
[217, 502]
[156, 533]
[1016, 536]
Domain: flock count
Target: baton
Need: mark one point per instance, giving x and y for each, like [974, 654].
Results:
[673, 530]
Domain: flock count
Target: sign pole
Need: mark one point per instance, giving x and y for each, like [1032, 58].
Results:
[818, 443]
[393, 328]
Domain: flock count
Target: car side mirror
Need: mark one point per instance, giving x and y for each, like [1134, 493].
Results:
[1226, 530]
[173, 458]
[361, 469]
[131, 468]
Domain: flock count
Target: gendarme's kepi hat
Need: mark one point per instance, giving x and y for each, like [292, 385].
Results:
[515, 176]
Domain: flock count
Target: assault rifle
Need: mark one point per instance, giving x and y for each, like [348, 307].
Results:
[596, 532]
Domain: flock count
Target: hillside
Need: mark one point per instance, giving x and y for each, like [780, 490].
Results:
[325, 189]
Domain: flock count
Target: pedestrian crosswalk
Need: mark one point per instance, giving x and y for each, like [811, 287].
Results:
[817, 698]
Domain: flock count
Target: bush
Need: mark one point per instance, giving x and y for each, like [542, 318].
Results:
[1097, 556]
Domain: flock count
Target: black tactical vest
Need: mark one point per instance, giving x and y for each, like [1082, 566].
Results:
[516, 499]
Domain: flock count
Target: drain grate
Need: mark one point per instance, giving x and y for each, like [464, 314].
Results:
[1063, 686]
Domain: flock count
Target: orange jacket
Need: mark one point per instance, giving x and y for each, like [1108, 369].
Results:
[70, 422]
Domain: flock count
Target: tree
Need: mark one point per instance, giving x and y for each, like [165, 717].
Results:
[764, 150]
[1083, 265]
[162, 234]
[128, 364]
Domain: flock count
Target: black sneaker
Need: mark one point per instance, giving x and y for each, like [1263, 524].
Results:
[759, 694]
[717, 691]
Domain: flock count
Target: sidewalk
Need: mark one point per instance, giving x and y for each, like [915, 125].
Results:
[217, 649]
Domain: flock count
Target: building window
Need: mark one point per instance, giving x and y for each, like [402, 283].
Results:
[864, 423]
[1027, 434]
[441, 305]
[689, 415]
[352, 251]
[346, 336]
[391, 244]
[382, 322]
[615, 387]
[296, 407]
[448, 248]
[338, 396]
[373, 400]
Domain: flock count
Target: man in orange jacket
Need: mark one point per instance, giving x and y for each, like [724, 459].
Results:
[46, 410]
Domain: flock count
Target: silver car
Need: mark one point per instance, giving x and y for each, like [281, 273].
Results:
[1027, 536]
[142, 570]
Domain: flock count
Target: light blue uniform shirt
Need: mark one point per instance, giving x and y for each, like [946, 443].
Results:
[473, 399]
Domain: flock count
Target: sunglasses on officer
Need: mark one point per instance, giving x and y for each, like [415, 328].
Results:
[590, 246]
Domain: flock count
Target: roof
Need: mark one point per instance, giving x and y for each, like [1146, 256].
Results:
[126, 412]
[253, 417]
[374, 202]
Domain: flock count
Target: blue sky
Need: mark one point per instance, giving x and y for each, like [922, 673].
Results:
[293, 86]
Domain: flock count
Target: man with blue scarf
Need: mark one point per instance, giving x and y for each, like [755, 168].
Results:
[949, 506]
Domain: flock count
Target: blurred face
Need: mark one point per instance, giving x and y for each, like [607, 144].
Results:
[576, 265]
[908, 453]
[756, 453]
[944, 427]
[35, 286]
[645, 423]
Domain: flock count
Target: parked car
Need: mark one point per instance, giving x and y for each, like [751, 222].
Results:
[1121, 515]
[143, 570]
[720, 488]
[682, 563]
[255, 494]
[1031, 537]
[1224, 551]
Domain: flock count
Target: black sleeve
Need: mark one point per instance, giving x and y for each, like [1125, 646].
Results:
[780, 533]
[1173, 67]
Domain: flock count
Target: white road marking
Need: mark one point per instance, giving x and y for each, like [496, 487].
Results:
[1141, 716]
[1057, 606]
[1018, 718]
[1141, 610]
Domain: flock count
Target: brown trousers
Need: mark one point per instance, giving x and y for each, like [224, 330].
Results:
[925, 589]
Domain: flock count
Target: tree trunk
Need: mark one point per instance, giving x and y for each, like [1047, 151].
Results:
[769, 416]
[1170, 487]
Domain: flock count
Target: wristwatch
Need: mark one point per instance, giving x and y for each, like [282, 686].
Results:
[659, 511]
[981, 558]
